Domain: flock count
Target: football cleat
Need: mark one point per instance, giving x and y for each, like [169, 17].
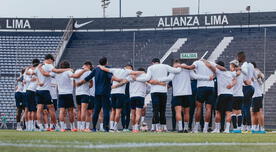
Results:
[74, 130]
[216, 131]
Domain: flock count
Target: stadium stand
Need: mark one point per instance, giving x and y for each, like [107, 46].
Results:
[17, 49]
[93, 45]
[139, 46]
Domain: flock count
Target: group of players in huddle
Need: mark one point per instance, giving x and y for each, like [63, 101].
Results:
[233, 95]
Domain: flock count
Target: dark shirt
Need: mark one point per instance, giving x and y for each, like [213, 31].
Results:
[194, 86]
[102, 81]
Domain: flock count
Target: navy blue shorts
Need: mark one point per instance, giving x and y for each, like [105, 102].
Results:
[183, 101]
[65, 101]
[91, 103]
[248, 92]
[205, 94]
[31, 96]
[82, 99]
[19, 99]
[117, 101]
[257, 104]
[25, 100]
[137, 102]
[43, 97]
[237, 103]
[225, 103]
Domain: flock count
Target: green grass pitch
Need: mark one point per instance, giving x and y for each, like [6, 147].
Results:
[14, 141]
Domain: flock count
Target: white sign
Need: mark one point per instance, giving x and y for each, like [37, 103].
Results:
[185, 21]
[188, 56]
[18, 24]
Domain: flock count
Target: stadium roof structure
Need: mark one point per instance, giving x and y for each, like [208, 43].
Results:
[224, 20]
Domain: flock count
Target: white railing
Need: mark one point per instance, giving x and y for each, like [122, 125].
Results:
[270, 81]
[225, 42]
[175, 47]
[64, 40]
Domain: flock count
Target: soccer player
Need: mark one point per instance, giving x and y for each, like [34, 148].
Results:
[182, 93]
[53, 92]
[158, 92]
[43, 96]
[90, 105]
[101, 120]
[65, 95]
[19, 97]
[137, 92]
[237, 98]
[205, 93]
[226, 81]
[257, 104]
[125, 116]
[118, 93]
[30, 92]
[248, 90]
[45, 117]
[102, 92]
[25, 100]
[193, 106]
[82, 93]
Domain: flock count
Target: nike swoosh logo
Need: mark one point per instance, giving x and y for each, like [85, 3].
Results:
[76, 25]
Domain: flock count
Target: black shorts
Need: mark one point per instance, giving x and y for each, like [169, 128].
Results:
[183, 101]
[91, 103]
[137, 102]
[257, 104]
[43, 97]
[117, 101]
[55, 103]
[158, 98]
[82, 99]
[224, 103]
[205, 94]
[19, 99]
[31, 97]
[65, 101]
[237, 103]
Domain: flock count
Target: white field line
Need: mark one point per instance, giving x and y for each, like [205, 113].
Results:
[131, 145]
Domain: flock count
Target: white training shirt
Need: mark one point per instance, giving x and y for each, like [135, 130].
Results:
[26, 84]
[248, 71]
[156, 72]
[202, 69]
[83, 89]
[121, 74]
[53, 90]
[137, 88]
[64, 82]
[43, 79]
[237, 89]
[32, 84]
[20, 86]
[92, 89]
[181, 82]
[224, 78]
[257, 84]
